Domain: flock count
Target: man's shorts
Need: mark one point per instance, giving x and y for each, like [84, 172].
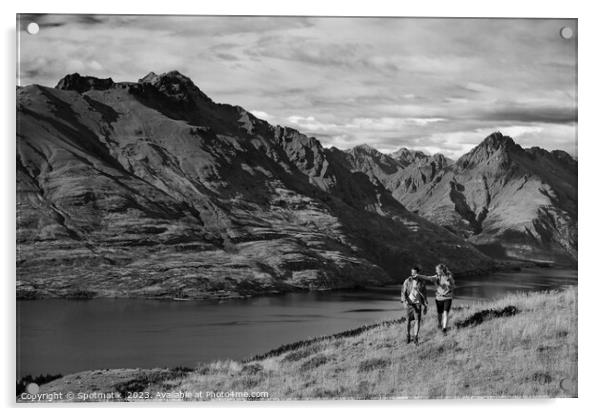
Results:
[414, 311]
[443, 305]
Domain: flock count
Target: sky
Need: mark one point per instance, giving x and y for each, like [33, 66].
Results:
[436, 85]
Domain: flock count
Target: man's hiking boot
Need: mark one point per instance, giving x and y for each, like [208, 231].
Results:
[416, 340]
[409, 339]
[444, 331]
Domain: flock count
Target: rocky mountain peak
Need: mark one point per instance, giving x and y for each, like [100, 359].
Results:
[79, 83]
[367, 153]
[403, 151]
[150, 78]
[369, 160]
[496, 144]
[364, 148]
[176, 85]
[497, 140]
[172, 76]
[407, 156]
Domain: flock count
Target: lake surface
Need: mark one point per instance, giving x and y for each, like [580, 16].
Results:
[66, 336]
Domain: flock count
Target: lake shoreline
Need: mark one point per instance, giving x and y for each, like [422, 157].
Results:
[25, 291]
[79, 335]
[513, 327]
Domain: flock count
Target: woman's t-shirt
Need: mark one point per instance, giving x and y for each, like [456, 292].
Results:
[445, 287]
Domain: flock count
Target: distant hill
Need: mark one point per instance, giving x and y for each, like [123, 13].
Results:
[406, 156]
[508, 201]
[150, 188]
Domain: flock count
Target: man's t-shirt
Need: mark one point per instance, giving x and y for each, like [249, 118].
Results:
[414, 291]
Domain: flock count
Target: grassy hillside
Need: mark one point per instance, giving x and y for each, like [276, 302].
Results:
[520, 346]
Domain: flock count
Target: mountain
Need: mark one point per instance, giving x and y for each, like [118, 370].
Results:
[406, 156]
[152, 189]
[399, 172]
[510, 202]
[365, 159]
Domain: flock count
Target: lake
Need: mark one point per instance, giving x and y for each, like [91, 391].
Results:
[66, 336]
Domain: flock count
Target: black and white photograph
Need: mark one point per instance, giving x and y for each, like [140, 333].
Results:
[218, 208]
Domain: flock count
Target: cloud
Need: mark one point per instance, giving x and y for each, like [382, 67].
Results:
[261, 115]
[533, 114]
[45, 20]
[433, 84]
[310, 123]
[391, 123]
[227, 56]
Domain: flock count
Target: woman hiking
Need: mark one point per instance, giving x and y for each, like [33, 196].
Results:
[444, 284]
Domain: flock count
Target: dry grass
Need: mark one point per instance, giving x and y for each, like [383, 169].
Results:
[530, 354]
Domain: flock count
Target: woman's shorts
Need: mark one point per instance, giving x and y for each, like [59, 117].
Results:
[443, 305]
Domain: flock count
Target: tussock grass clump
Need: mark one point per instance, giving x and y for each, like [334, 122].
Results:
[252, 369]
[373, 364]
[159, 379]
[542, 378]
[314, 362]
[431, 350]
[485, 315]
[301, 353]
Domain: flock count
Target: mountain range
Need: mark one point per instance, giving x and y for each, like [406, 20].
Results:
[152, 189]
[510, 202]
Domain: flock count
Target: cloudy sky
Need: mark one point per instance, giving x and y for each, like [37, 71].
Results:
[438, 85]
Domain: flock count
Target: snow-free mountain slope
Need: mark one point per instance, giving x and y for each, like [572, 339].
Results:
[150, 188]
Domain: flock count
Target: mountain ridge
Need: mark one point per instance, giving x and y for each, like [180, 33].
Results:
[152, 189]
[512, 202]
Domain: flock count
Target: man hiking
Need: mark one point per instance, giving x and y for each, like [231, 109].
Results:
[413, 294]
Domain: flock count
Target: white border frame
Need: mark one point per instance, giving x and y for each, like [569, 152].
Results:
[589, 152]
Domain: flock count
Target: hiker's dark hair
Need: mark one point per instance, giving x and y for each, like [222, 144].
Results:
[444, 269]
[417, 268]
